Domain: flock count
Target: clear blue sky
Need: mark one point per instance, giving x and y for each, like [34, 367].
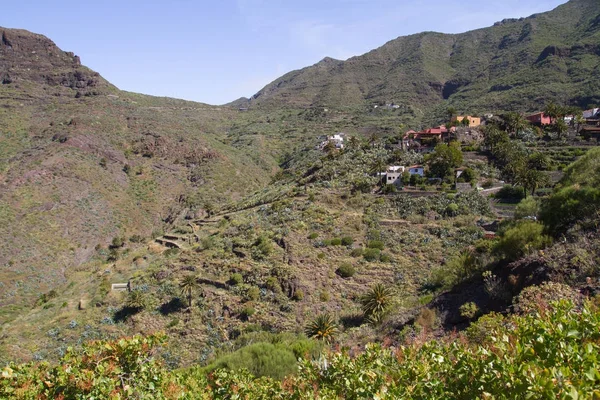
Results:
[217, 51]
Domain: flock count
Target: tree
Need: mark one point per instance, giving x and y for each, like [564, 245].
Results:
[560, 127]
[514, 122]
[494, 137]
[531, 179]
[451, 111]
[444, 159]
[539, 161]
[323, 327]
[188, 285]
[354, 142]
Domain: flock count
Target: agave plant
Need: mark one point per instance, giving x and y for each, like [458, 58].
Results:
[323, 328]
[376, 301]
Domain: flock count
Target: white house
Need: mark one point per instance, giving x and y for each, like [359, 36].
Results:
[416, 170]
[590, 113]
[393, 178]
[337, 140]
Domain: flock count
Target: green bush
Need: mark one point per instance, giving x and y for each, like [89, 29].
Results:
[321, 256]
[546, 355]
[385, 258]
[347, 241]
[375, 244]
[346, 270]
[260, 359]
[298, 295]
[252, 294]
[512, 193]
[236, 279]
[527, 208]
[357, 252]
[469, 310]
[371, 254]
[313, 236]
[246, 313]
[525, 237]
[336, 242]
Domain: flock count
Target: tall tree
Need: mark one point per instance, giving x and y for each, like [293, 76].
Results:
[188, 285]
[445, 158]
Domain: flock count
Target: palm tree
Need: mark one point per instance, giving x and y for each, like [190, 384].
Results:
[188, 284]
[322, 328]
[376, 301]
[136, 300]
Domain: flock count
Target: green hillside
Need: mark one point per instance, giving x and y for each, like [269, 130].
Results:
[514, 65]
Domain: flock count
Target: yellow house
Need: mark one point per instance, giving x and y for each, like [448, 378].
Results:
[473, 121]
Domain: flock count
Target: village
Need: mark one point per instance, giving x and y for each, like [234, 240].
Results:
[468, 133]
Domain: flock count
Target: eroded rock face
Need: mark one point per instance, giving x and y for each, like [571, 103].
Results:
[25, 56]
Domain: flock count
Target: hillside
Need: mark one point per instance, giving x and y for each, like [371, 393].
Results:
[82, 162]
[513, 65]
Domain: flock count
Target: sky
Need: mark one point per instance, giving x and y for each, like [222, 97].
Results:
[217, 51]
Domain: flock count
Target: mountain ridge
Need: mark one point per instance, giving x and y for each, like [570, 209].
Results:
[427, 68]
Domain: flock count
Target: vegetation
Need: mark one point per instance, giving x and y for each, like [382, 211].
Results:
[540, 355]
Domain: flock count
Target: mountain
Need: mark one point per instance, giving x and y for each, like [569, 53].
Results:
[82, 162]
[517, 64]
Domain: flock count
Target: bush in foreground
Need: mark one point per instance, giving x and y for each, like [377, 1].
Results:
[548, 354]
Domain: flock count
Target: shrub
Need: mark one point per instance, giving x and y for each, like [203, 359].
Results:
[323, 327]
[371, 254]
[375, 244]
[357, 252]
[569, 206]
[324, 296]
[298, 295]
[272, 283]
[347, 241]
[536, 298]
[527, 208]
[336, 242]
[427, 319]
[346, 270]
[513, 193]
[452, 210]
[321, 256]
[262, 248]
[520, 240]
[313, 236]
[246, 313]
[252, 294]
[385, 258]
[496, 288]
[236, 279]
[260, 359]
[469, 310]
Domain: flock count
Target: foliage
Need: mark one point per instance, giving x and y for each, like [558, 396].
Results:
[509, 192]
[444, 159]
[188, 285]
[376, 301]
[357, 252]
[236, 279]
[323, 327]
[521, 239]
[347, 241]
[371, 254]
[375, 244]
[469, 310]
[540, 355]
[136, 299]
[346, 270]
[527, 208]
[533, 298]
